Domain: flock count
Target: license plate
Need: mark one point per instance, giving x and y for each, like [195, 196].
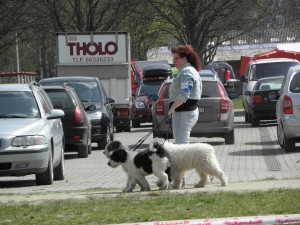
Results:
[201, 110]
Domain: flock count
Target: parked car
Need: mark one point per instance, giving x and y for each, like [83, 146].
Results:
[287, 111]
[219, 67]
[216, 112]
[262, 100]
[153, 76]
[91, 92]
[257, 69]
[76, 123]
[31, 134]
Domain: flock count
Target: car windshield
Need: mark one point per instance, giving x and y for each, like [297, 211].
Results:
[259, 71]
[148, 89]
[269, 84]
[18, 104]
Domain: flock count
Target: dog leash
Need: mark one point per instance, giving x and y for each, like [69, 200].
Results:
[141, 141]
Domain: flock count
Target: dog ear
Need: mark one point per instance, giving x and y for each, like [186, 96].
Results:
[115, 145]
[119, 155]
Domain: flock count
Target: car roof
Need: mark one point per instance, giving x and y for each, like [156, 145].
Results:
[66, 79]
[270, 78]
[18, 87]
[56, 87]
[271, 60]
[206, 73]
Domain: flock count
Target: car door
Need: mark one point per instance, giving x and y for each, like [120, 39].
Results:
[54, 125]
[108, 106]
[295, 95]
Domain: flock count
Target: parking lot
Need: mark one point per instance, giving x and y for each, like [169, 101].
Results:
[254, 156]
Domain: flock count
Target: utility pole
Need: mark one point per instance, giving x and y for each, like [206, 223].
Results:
[18, 59]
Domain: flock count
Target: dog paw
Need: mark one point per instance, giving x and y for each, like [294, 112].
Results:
[158, 183]
[127, 190]
[199, 185]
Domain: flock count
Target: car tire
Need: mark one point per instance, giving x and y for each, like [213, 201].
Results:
[246, 117]
[83, 151]
[229, 138]
[46, 177]
[89, 149]
[102, 144]
[289, 144]
[136, 123]
[127, 128]
[119, 129]
[280, 135]
[59, 171]
[254, 121]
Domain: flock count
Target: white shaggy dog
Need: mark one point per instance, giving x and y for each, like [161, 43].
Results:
[137, 165]
[184, 157]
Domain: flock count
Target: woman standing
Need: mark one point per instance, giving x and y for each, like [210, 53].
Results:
[184, 93]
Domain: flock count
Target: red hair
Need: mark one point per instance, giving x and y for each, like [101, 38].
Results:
[190, 54]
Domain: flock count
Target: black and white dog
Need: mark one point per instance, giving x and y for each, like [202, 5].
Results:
[137, 165]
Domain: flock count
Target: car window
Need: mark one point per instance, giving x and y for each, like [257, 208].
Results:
[60, 99]
[47, 106]
[209, 89]
[270, 84]
[146, 89]
[295, 84]
[88, 91]
[259, 71]
[18, 104]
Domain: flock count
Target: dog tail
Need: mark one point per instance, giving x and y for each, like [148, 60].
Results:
[159, 149]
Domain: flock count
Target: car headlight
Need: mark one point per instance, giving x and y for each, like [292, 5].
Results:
[95, 115]
[28, 140]
[139, 105]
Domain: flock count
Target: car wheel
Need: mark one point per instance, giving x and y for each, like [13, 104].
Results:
[46, 177]
[89, 149]
[246, 117]
[280, 135]
[119, 129]
[59, 171]
[127, 128]
[289, 144]
[229, 138]
[102, 144]
[254, 121]
[83, 151]
[136, 123]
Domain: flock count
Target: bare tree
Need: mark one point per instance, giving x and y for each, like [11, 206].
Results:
[207, 24]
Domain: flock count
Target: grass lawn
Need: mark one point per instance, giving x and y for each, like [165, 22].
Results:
[238, 102]
[137, 208]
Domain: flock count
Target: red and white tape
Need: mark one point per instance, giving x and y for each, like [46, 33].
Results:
[262, 220]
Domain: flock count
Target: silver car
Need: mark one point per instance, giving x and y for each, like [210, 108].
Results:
[31, 134]
[216, 112]
[288, 111]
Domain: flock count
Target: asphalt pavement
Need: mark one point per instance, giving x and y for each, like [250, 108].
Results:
[254, 162]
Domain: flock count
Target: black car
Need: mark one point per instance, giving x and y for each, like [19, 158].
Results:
[91, 92]
[76, 123]
[262, 100]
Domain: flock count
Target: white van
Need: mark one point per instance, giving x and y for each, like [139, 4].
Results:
[262, 68]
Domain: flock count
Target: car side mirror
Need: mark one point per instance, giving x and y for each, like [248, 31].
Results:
[90, 108]
[137, 78]
[243, 78]
[110, 100]
[247, 92]
[153, 97]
